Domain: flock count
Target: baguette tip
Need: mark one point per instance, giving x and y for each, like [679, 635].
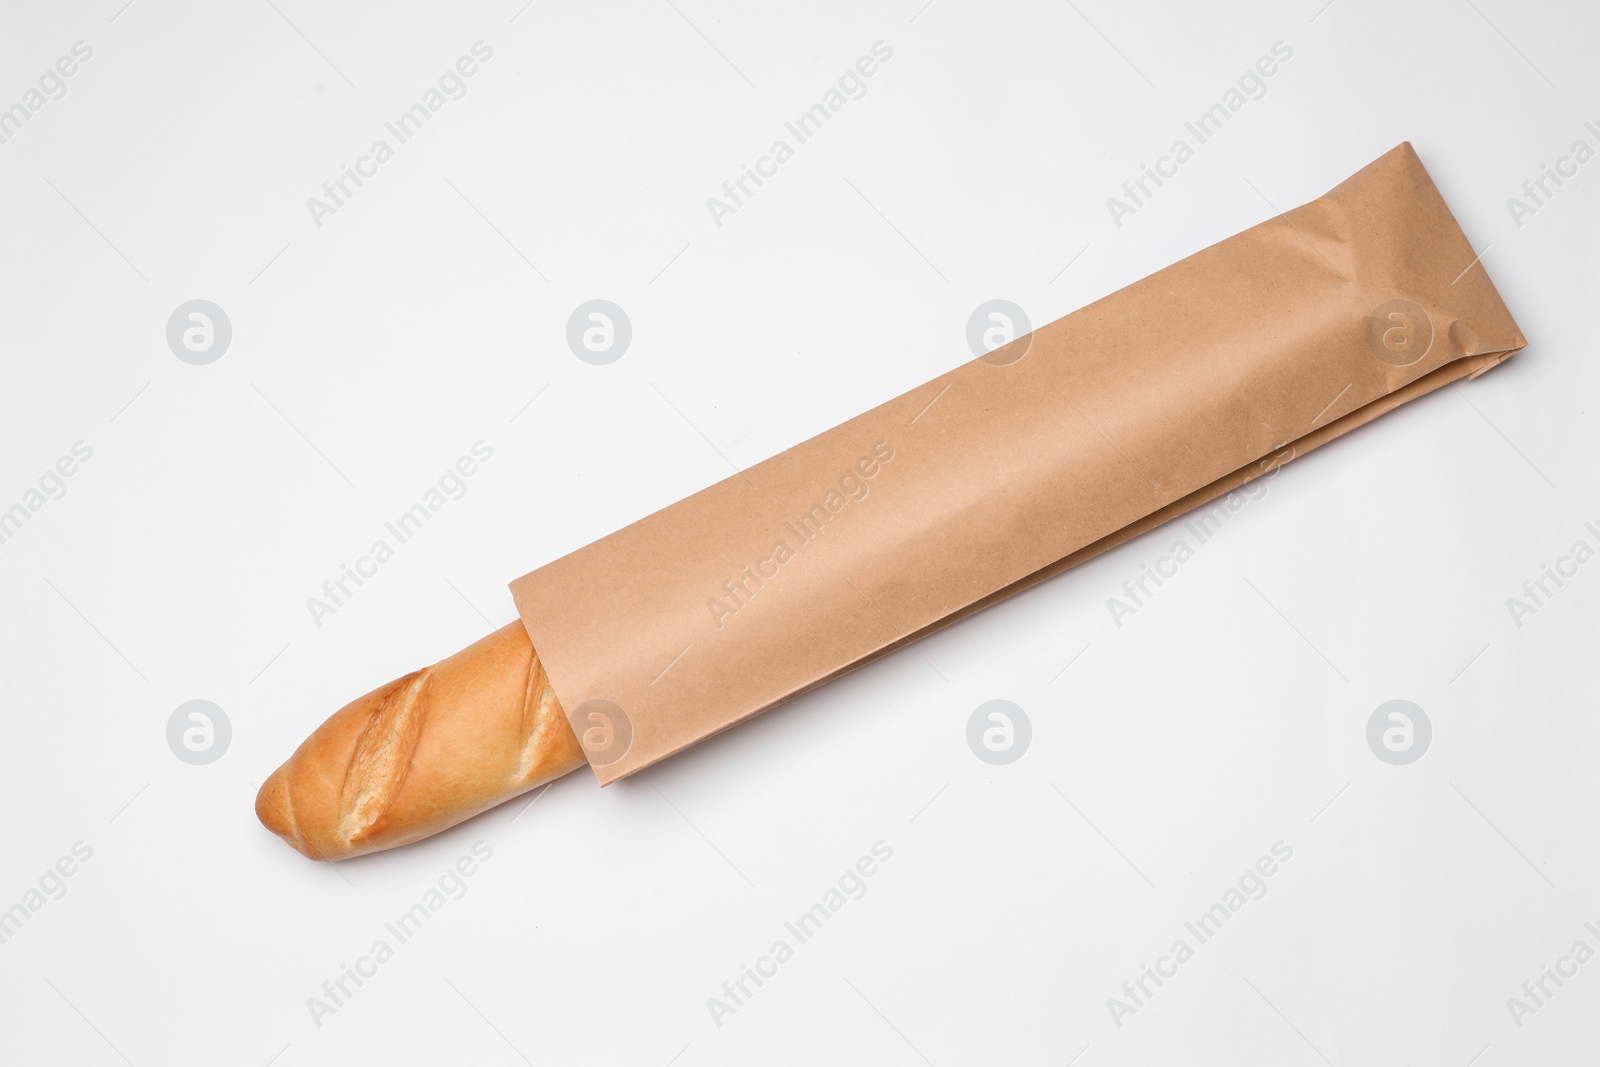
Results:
[276, 811]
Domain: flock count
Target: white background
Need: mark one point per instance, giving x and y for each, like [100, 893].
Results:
[370, 352]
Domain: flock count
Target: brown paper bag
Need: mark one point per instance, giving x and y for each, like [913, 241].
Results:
[1093, 429]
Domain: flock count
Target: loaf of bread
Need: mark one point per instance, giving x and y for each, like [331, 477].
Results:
[423, 753]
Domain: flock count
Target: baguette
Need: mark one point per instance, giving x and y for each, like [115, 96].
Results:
[423, 753]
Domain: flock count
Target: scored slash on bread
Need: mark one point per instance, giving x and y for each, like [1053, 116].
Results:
[423, 753]
[383, 755]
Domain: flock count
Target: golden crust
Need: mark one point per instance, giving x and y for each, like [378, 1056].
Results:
[423, 753]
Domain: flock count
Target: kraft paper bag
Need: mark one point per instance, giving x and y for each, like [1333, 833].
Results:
[1089, 431]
